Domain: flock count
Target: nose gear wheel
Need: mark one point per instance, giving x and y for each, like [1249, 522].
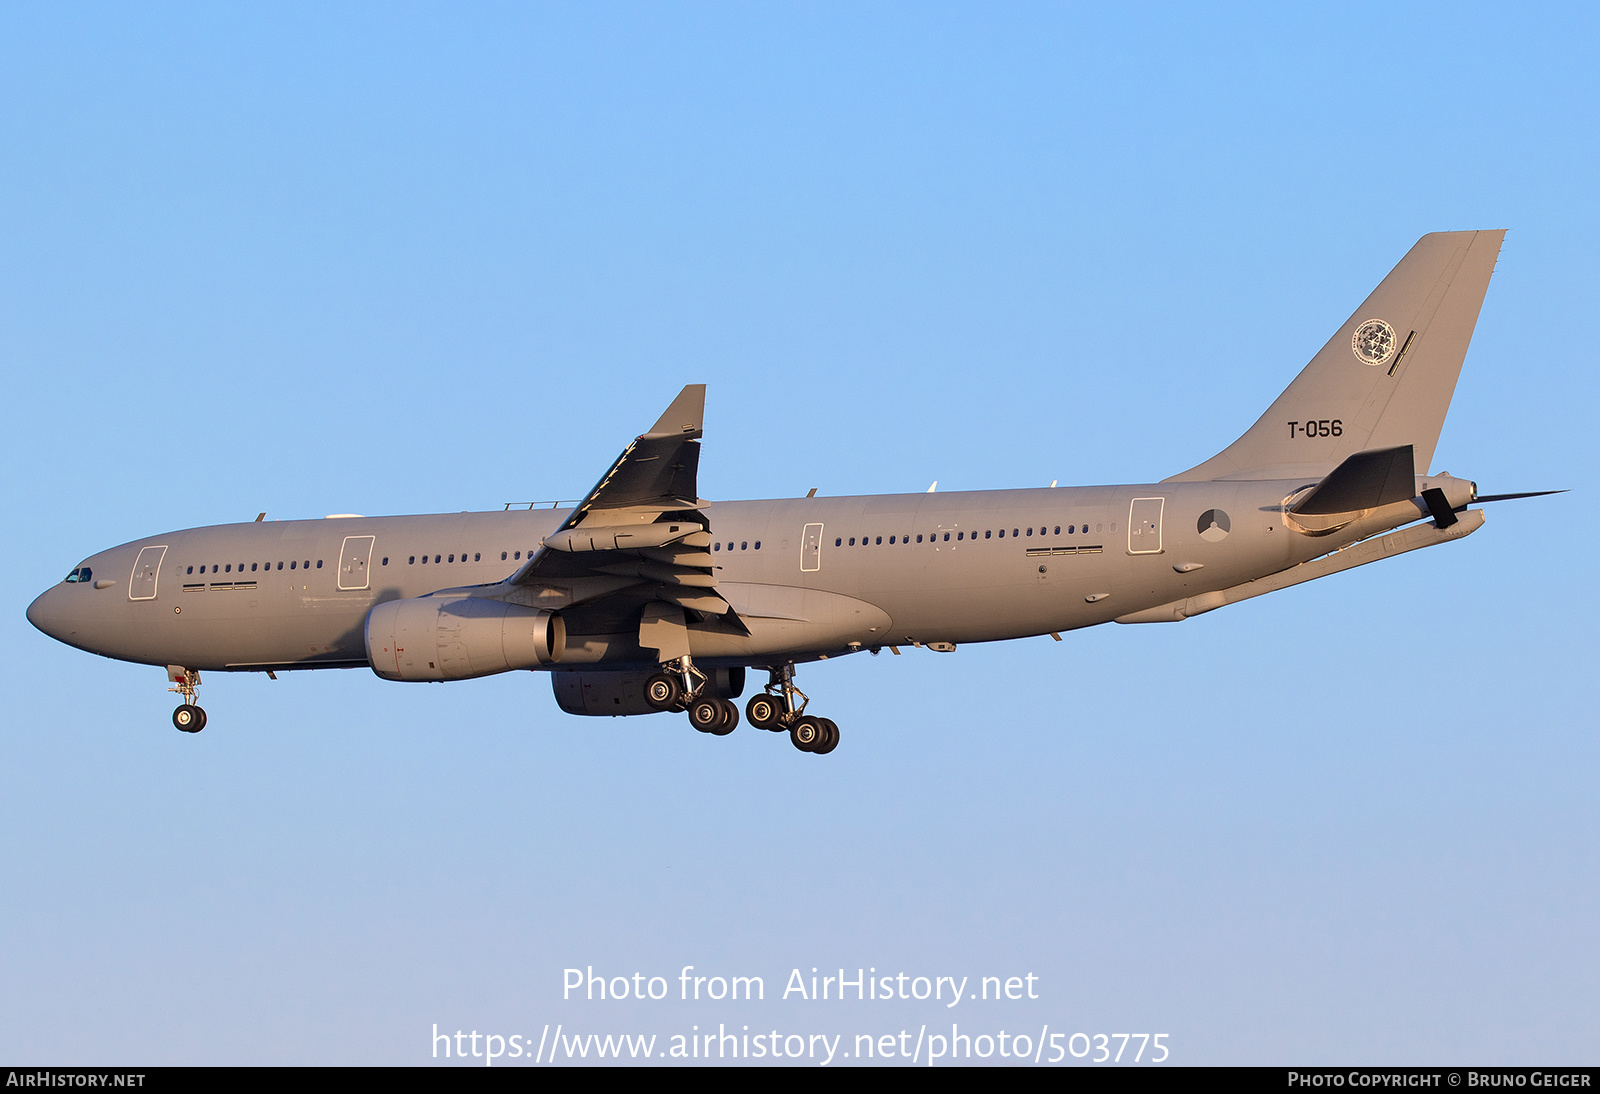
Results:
[189, 717]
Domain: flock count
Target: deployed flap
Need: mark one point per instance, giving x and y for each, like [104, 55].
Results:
[1366, 480]
[662, 628]
[1385, 378]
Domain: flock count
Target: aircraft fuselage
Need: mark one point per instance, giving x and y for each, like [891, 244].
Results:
[895, 569]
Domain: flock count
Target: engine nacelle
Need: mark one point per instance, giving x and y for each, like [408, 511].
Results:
[618, 693]
[455, 638]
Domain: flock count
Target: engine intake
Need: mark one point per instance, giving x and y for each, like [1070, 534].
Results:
[434, 638]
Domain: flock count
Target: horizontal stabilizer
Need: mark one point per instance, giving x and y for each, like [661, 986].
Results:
[1366, 480]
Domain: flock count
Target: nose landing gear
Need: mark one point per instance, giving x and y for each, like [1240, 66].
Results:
[189, 717]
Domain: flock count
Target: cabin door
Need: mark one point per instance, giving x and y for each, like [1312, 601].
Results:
[353, 559]
[146, 569]
[1144, 526]
[811, 549]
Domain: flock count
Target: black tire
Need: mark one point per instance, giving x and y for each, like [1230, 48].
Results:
[830, 739]
[662, 692]
[730, 718]
[806, 733]
[189, 719]
[706, 714]
[765, 712]
[202, 725]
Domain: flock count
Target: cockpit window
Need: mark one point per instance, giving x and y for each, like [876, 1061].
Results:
[82, 573]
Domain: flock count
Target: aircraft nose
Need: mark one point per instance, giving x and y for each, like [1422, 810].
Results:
[45, 613]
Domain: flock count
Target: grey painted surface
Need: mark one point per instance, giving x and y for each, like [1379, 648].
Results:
[962, 583]
[643, 570]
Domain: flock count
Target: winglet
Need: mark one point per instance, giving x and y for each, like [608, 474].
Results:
[685, 417]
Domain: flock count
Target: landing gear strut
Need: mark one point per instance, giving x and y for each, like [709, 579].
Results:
[189, 717]
[676, 686]
[781, 708]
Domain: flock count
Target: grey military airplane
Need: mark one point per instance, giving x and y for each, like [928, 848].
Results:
[643, 597]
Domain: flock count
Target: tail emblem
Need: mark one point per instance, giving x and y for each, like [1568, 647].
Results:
[1373, 342]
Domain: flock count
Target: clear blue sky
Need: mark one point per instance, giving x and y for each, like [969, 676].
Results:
[408, 258]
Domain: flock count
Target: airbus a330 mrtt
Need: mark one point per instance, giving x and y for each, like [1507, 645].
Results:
[644, 598]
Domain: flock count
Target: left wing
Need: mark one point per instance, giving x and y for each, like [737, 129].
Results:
[640, 537]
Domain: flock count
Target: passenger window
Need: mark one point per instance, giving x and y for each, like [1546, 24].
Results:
[838, 543]
[1015, 533]
[919, 539]
[436, 559]
[1030, 531]
[452, 558]
[386, 560]
[988, 534]
[758, 545]
[716, 546]
[852, 541]
[411, 560]
[744, 546]
[280, 565]
[73, 576]
[891, 541]
[518, 555]
[424, 560]
[502, 556]
[319, 564]
[947, 537]
[1002, 533]
[476, 556]
[291, 566]
[228, 569]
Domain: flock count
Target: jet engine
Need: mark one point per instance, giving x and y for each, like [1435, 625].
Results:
[456, 638]
[609, 692]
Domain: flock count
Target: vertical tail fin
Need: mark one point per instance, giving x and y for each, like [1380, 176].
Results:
[1385, 379]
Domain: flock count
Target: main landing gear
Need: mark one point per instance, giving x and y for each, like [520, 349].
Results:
[779, 708]
[682, 687]
[189, 717]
